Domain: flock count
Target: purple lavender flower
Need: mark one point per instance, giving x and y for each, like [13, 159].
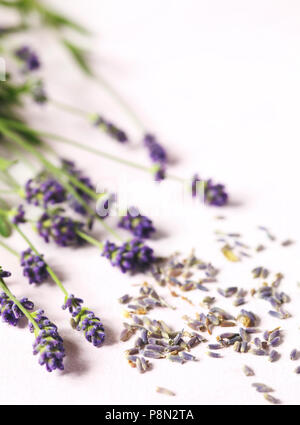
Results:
[159, 171]
[85, 320]
[62, 229]
[73, 304]
[4, 274]
[111, 129]
[156, 152]
[139, 225]
[10, 312]
[70, 167]
[132, 256]
[44, 191]
[19, 216]
[213, 194]
[29, 58]
[48, 343]
[34, 267]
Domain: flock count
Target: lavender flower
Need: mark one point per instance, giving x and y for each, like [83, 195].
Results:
[34, 267]
[19, 216]
[29, 58]
[70, 167]
[10, 312]
[156, 152]
[62, 229]
[110, 129]
[48, 343]
[139, 225]
[44, 191]
[159, 172]
[213, 194]
[132, 256]
[85, 320]
[4, 274]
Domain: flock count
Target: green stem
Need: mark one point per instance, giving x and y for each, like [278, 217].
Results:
[57, 172]
[21, 307]
[8, 248]
[90, 239]
[49, 269]
[90, 149]
[69, 108]
[121, 101]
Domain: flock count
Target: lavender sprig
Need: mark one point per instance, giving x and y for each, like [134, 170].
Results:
[34, 267]
[139, 225]
[213, 194]
[111, 129]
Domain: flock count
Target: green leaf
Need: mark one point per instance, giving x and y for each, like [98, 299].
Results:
[5, 227]
[57, 20]
[79, 55]
[5, 164]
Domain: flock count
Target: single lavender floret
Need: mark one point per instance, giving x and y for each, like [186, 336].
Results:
[132, 256]
[48, 343]
[73, 304]
[29, 58]
[140, 225]
[110, 128]
[44, 191]
[70, 167]
[19, 216]
[213, 194]
[34, 267]
[62, 229]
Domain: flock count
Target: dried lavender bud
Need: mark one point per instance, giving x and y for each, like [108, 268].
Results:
[44, 191]
[139, 225]
[271, 399]
[294, 354]
[262, 388]
[61, 229]
[248, 371]
[29, 59]
[111, 129]
[48, 343]
[132, 256]
[273, 356]
[34, 267]
[213, 194]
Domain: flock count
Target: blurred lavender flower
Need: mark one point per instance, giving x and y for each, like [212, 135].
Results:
[132, 256]
[34, 267]
[29, 58]
[44, 191]
[70, 167]
[19, 216]
[159, 172]
[139, 225]
[213, 194]
[48, 343]
[156, 152]
[110, 129]
[62, 229]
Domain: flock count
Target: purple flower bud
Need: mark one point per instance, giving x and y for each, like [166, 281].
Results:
[48, 343]
[140, 225]
[34, 267]
[132, 256]
[4, 274]
[110, 129]
[73, 305]
[29, 58]
[44, 191]
[19, 216]
[62, 230]
[213, 194]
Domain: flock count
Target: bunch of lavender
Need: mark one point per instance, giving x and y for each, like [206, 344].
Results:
[85, 320]
[132, 256]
